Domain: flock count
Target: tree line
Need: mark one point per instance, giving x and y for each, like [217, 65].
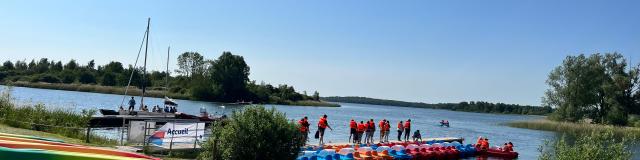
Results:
[599, 88]
[225, 79]
[472, 106]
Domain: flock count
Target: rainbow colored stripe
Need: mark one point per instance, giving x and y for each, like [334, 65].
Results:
[28, 147]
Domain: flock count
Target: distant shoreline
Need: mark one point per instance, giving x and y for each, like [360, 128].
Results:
[477, 107]
[92, 88]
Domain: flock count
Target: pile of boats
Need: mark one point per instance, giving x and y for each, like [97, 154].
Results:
[27, 147]
[402, 151]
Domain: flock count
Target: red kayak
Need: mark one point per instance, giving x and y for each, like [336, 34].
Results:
[491, 152]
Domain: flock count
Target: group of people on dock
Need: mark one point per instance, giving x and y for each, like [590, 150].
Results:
[156, 108]
[362, 131]
[368, 130]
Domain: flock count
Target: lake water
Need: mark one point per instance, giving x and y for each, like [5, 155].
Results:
[463, 124]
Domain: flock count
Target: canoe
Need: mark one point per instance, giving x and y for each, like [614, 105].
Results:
[9, 153]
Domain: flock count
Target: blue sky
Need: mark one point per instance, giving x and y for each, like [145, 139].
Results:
[427, 51]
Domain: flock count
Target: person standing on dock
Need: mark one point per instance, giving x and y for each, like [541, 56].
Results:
[371, 129]
[361, 128]
[322, 125]
[132, 104]
[353, 125]
[387, 127]
[400, 130]
[381, 125]
[304, 128]
[407, 129]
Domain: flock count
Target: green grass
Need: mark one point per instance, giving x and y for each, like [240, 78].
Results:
[60, 121]
[576, 128]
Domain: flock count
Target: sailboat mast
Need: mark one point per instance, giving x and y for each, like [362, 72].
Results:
[144, 69]
[167, 78]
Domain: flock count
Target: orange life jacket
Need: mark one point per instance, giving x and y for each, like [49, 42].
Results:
[400, 127]
[387, 126]
[407, 124]
[381, 125]
[322, 123]
[302, 127]
[484, 144]
[361, 127]
[353, 124]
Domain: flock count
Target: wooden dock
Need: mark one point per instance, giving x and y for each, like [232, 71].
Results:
[117, 120]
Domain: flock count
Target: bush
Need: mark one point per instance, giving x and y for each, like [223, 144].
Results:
[49, 78]
[597, 145]
[67, 76]
[254, 133]
[109, 79]
[86, 78]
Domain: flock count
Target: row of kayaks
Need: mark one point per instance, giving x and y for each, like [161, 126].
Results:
[402, 151]
[26, 147]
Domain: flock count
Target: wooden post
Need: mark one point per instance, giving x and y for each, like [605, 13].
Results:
[195, 140]
[88, 134]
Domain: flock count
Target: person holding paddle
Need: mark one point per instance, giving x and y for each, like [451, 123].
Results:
[322, 125]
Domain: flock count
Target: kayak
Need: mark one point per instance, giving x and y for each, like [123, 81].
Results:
[492, 152]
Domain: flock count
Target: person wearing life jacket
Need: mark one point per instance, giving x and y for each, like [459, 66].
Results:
[400, 130]
[407, 129]
[484, 145]
[508, 147]
[372, 130]
[322, 125]
[353, 126]
[387, 130]
[303, 129]
[361, 129]
[479, 141]
[382, 130]
[367, 131]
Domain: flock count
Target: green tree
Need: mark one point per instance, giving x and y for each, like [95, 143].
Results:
[113, 67]
[57, 67]
[230, 73]
[190, 63]
[109, 79]
[7, 65]
[87, 78]
[598, 87]
[254, 133]
[316, 96]
[71, 65]
[67, 76]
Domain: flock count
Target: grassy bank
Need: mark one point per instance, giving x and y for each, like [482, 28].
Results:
[314, 103]
[60, 121]
[136, 91]
[96, 89]
[576, 128]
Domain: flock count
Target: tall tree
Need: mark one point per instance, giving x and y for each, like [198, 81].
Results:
[190, 63]
[7, 65]
[230, 73]
[71, 65]
[598, 87]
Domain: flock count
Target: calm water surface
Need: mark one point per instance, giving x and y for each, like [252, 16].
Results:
[463, 124]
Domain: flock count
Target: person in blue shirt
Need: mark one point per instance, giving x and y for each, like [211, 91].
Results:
[132, 103]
